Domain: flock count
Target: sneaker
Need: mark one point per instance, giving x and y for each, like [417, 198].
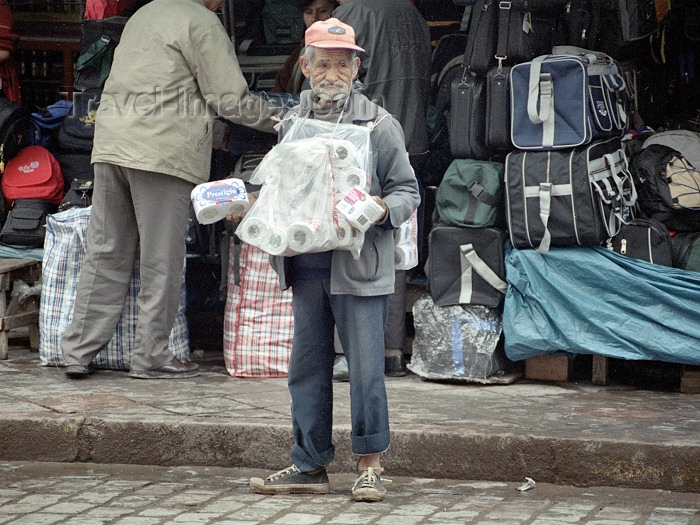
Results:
[291, 481]
[368, 486]
[340, 368]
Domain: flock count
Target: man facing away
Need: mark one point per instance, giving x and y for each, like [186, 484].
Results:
[333, 289]
[174, 67]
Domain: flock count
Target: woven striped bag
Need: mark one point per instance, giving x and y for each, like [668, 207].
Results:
[64, 250]
[258, 323]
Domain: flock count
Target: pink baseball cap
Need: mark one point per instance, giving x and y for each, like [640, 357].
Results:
[331, 34]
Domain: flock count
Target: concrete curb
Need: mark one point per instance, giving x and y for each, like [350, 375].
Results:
[419, 453]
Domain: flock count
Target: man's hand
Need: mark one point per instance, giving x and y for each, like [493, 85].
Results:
[238, 217]
[379, 201]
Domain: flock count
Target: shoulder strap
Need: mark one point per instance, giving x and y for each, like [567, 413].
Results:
[483, 269]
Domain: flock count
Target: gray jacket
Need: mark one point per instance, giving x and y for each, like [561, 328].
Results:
[396, 71]
[174, 69]
[392, 179]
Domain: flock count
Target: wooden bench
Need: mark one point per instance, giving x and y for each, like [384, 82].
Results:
[12, 313]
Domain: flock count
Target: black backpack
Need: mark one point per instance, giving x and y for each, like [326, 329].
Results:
[15, 125]
[654, 196]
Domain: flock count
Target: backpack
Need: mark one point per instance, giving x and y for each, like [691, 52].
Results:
[668, 187]
[78, 129]
[46, 122]
[470, 194]
[14, 130]
[34, 173]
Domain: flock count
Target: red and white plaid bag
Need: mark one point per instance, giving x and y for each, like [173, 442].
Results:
[258, 323]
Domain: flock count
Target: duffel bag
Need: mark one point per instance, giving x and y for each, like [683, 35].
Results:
[566, 99]
[465, 266]
[645, 239]
[470, 194]
[567, 198]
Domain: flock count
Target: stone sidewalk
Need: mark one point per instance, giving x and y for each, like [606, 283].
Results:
[560, 433]
[87, 494]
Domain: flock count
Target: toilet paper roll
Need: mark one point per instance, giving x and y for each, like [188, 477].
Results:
[212, 201]
[305, 237]
[345, 233]
[405, 258]
[253, 231]
[348, 178]
[343, 153]
[276, 241]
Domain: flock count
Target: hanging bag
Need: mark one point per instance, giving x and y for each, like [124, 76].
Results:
[566, 99]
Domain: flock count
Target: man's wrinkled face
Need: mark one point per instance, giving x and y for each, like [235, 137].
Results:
[331, 72]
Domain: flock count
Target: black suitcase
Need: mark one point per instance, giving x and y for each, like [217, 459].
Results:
[516, 31]
[466, 266]
[467, 121]
[645, 239]
[498, 110]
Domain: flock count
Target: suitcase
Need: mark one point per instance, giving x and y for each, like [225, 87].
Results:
[645, 239]
[514, 31]
[465, 266]
[498, 109]
[568, 197]
[468, 118]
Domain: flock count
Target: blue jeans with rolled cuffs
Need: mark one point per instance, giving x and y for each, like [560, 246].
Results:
[360, 322]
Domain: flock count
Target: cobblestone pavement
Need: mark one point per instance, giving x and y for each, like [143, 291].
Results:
[95, 494]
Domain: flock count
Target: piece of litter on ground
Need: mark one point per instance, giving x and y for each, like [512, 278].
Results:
[529, 484]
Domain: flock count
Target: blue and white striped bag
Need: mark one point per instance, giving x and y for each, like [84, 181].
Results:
[64, 250]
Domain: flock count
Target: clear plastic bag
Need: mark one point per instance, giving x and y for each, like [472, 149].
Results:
[302, 179]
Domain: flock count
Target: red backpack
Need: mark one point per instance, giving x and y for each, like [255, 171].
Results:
[34, 173]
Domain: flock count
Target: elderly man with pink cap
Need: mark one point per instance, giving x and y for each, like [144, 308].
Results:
[332, 288]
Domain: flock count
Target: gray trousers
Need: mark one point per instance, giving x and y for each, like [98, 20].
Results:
[131, 209]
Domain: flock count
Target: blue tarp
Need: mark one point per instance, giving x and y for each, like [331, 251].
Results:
[594, 301]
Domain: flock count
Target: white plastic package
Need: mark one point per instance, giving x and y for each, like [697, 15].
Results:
[406, 244]
[302, 180]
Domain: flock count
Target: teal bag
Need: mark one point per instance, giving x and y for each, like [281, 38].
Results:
[470, 194]
[283, 22]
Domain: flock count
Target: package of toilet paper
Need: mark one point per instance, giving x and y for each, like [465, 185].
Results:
[302, 179]
[212, 201]
[406, 244]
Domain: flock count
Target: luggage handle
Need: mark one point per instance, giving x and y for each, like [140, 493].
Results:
[482, 268]
[545, 194]
[540, 90]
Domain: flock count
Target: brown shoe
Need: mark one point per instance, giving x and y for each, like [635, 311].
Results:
[172, 370]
